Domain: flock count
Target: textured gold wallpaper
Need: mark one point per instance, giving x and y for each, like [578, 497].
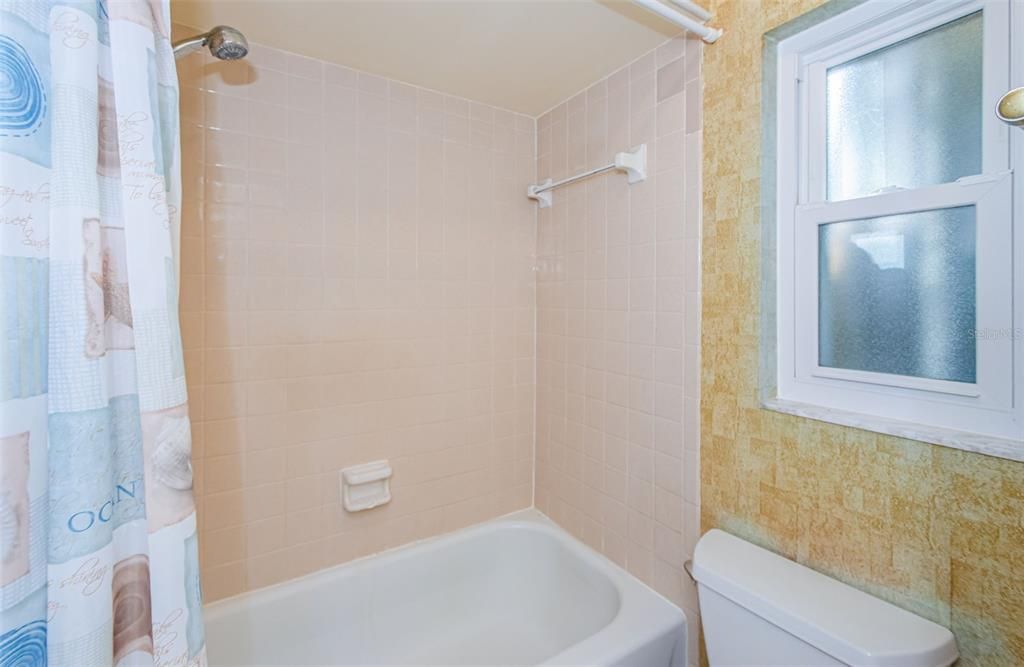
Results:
[937, 531]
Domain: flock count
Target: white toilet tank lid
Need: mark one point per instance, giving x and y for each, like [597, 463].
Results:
[847, 624]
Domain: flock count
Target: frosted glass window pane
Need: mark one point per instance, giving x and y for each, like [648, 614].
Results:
[907, 115]
[896, 294]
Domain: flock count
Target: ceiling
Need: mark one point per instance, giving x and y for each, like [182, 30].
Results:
[521, 55]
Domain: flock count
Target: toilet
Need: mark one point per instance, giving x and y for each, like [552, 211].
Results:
[758, 608]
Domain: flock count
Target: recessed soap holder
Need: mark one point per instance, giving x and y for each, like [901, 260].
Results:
[365, 486]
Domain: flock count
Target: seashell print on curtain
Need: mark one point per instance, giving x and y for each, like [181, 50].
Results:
[98, 550]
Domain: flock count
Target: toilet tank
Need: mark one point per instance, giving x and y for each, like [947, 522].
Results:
[758, 608]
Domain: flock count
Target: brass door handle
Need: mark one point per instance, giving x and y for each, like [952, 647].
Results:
[1010, 108]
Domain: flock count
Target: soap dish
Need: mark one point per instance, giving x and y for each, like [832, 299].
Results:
[366, 486]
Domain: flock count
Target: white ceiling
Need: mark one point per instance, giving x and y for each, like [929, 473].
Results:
[521, 55]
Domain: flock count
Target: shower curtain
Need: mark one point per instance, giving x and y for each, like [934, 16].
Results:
[98, 551]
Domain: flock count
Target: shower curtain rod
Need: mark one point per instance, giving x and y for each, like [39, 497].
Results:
[685, 20]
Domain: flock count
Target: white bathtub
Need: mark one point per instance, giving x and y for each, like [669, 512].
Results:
[513, 591]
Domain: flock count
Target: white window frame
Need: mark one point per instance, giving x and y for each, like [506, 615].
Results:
[986, 415]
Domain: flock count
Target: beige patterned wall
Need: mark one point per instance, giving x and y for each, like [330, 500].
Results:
[935, 530]
[618, 320]
[357, 284]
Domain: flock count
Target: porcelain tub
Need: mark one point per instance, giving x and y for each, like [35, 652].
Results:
[513, 591]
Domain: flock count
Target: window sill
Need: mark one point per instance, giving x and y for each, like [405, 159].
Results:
[971, 442]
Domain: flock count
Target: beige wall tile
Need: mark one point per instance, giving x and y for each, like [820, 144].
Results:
[612, 324]
[336, 224]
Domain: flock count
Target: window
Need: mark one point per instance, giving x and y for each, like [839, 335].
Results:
[898, 252]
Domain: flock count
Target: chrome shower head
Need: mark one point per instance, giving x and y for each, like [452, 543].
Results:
[227, 43]
[224, 42]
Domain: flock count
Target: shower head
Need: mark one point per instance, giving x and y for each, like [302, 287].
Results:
[227, 43]
[224, 42]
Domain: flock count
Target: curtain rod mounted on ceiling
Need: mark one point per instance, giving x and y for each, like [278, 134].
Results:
[633, 162]
[685, 20]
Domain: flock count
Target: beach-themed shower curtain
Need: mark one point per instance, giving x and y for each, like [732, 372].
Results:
[98, 553]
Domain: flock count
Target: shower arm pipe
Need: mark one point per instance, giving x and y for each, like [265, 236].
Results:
[706, 33]
[184, 47]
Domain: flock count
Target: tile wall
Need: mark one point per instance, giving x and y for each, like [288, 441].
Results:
[357, 284]
[618, 321]
[935, 530]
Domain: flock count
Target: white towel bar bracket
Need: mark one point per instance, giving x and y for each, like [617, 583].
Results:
[633, 162]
